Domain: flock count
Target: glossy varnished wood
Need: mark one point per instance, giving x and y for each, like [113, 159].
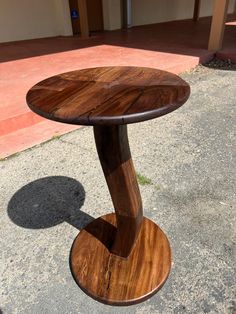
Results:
[115, 280]
[114, 153]
[120, 258]
[108, 95]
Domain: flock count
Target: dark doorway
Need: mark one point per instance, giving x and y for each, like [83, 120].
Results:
[74, 14]
[95, 15]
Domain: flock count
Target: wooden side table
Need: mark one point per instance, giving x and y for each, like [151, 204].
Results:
[120, 258]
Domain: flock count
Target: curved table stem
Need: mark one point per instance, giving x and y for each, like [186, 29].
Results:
[115, 157]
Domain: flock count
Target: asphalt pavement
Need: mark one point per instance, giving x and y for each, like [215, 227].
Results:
[51, 191]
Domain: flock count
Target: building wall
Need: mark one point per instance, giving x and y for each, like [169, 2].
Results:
[111, 14]
[155, 11]
[27, 19]
[63, 17]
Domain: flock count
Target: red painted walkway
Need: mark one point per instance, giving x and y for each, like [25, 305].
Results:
[174, 46]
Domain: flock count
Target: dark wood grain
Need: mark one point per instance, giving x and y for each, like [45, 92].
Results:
[114, 280]
[114, 153]
[108, 95]
[119, 258]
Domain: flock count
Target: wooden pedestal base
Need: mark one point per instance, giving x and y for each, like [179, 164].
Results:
[115, 280]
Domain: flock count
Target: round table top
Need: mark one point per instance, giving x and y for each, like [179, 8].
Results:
[108, 95]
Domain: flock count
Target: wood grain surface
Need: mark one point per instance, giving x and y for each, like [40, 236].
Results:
[115, 157]
[108, 95]
[119, 258]
[114, 280]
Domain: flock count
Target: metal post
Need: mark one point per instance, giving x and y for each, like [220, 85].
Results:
[127, 13]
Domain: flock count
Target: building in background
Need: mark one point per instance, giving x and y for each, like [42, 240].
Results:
[30, 19]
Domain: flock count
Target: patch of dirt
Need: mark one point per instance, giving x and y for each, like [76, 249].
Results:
[220, 64]
[214, 64]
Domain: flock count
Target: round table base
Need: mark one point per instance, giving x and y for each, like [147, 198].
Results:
[114, 280]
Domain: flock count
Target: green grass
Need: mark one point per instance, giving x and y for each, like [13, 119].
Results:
[8, 157]
[56, 136]
[143, 180]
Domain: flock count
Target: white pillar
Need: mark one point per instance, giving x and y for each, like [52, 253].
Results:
[64, 20]
[112, 14]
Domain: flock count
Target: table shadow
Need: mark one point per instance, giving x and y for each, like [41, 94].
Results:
[49, 201]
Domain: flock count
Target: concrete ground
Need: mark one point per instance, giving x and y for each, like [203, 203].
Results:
[51, 191]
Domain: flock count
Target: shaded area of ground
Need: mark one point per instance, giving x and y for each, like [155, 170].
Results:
[217, 63]
[52, 190]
